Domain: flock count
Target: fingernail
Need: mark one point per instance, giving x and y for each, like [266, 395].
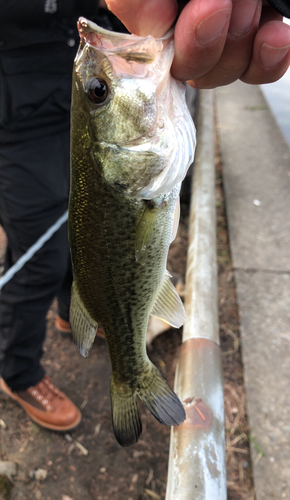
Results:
[271, 56]
[212, 27]
[242, 17]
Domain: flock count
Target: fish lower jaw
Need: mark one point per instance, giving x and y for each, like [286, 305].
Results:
[134, 145]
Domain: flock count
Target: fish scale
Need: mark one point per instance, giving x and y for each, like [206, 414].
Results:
[106, 272]
[122, 140]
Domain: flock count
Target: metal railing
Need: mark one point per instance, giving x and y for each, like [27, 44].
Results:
[197, 446]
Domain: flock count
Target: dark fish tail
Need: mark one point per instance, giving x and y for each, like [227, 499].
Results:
[160, 399]
[125, 415]
[157, 396]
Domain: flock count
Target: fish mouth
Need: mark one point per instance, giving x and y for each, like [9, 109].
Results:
[85, 25]
[175, 153]
[132, 48]
[157, 135]
[146, 141]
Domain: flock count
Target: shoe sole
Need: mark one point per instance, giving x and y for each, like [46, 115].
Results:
[51, 427]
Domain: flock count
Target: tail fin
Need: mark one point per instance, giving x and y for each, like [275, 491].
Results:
[125, 415]
[160, 400]
[156, 394]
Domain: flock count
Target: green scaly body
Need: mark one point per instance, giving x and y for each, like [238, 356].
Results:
[117, 291]
[119, 241]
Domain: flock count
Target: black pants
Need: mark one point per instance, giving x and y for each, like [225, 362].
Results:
[34, 186]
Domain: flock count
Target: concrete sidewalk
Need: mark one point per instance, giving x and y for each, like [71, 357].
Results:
[256, 171]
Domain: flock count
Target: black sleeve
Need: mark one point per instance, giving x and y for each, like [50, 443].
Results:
[31, 11]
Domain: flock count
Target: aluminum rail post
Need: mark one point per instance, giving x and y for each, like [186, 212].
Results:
[197, 446]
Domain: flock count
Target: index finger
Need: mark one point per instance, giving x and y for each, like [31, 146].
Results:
[200, 32]
[145, 17]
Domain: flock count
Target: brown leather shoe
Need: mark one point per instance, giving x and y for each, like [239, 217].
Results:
[46, 405]
[62, 325]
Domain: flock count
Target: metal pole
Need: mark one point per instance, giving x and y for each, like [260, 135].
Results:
[197, 447]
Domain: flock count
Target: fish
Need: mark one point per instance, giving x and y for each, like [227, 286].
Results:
[132, 141]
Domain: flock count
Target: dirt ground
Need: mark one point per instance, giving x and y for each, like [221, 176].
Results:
[88, 464]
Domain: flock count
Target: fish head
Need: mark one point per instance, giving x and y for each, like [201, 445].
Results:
[122, 106]
[119, 109]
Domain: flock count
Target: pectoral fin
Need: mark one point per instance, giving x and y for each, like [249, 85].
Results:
[145, 229]
[176, 219]
[168, 305]
[83, 327]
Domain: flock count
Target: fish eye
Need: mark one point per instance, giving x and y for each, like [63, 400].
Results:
[98, 91]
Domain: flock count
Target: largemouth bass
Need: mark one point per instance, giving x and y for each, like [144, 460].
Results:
[132, 141]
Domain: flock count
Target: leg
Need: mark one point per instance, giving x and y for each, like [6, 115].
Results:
[34, 179]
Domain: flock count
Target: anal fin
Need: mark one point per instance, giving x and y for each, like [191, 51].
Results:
[83, 327]
[168, 305]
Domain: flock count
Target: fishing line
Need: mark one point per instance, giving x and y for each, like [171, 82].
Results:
[33, 249]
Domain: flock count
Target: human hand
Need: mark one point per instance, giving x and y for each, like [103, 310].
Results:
[216, 41]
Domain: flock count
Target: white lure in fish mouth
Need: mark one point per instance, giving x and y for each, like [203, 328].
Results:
[153, 118]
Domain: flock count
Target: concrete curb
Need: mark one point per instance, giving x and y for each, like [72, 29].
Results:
[256, 172]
